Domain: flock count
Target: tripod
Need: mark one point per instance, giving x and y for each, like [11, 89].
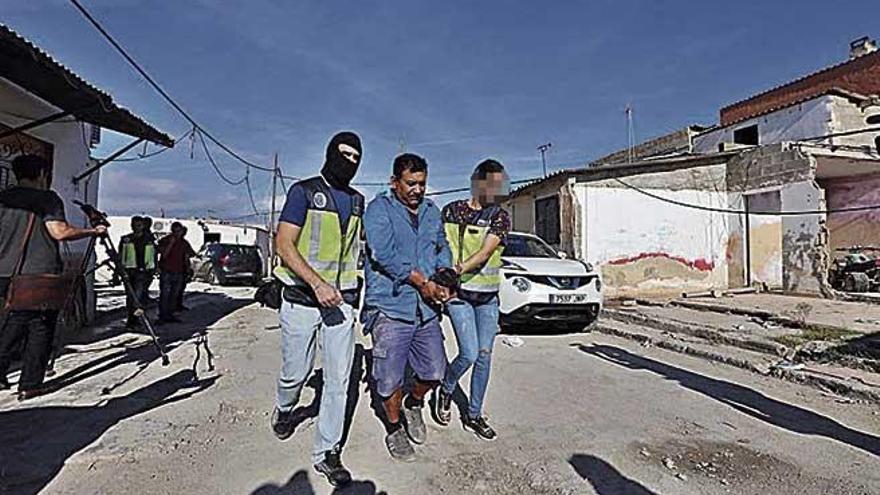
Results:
[97, 218]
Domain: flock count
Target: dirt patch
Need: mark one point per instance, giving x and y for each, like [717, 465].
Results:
[734, 467]
[485, 473]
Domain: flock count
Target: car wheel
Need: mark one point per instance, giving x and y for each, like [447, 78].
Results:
[857, 282]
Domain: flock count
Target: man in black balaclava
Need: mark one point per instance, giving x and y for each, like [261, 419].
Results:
[318, 240]
[342, 159]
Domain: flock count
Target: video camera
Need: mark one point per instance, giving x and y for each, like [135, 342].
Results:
[96, 217]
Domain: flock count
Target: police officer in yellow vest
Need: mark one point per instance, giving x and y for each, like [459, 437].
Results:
[475, 230]
[137, 252]
[319, 243]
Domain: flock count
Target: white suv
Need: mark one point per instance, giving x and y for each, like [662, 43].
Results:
[539, 285]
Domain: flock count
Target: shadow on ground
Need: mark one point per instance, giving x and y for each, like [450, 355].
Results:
[743, 399]
[36, 442]
[299, 484]
[605, 479]
[195, 324]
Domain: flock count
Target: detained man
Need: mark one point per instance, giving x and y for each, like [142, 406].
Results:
[475, 229]
[318, 241]
[407, 260]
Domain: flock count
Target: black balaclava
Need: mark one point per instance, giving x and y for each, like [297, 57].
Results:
[337, 169]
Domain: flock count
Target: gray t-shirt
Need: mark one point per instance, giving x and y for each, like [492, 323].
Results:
[16, 206]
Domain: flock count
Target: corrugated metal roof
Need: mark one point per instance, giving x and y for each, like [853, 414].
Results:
[32, 69]
[658, 165]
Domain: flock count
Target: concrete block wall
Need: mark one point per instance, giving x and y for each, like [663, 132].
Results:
[767, 166]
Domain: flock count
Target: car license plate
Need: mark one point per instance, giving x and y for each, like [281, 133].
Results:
[567, 298]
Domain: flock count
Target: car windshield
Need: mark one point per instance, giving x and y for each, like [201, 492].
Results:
[521, 246]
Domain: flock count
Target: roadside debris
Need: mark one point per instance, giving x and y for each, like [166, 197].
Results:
[512, 341]
[788, 366]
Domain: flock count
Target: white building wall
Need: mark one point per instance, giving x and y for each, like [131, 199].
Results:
[70, 157]
[644, 246]
[808, 119]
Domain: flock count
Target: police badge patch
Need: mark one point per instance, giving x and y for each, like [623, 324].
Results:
[320, 200]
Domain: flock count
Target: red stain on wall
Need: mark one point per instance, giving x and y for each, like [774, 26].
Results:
[697, 264]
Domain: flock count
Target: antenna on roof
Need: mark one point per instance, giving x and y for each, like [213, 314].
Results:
[630, 133]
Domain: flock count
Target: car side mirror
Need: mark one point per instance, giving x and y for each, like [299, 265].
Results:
[562, 254]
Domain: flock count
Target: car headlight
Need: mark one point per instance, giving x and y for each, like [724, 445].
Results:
[509, 265]
[521, 284]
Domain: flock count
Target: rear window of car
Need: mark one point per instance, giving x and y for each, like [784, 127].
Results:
[235, 250]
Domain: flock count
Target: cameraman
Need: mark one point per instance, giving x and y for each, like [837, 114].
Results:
[37, 254]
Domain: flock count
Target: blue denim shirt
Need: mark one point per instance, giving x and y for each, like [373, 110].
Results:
[394, 248]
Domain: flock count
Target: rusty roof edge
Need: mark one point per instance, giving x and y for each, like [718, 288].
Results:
[779, 87]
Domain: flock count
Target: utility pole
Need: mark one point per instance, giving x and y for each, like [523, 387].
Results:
[543, 149]
[272, 215]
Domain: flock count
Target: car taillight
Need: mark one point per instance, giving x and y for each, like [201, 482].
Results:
[224, 260]
[877, 262]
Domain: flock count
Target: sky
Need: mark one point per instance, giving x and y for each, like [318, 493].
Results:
[454, 81]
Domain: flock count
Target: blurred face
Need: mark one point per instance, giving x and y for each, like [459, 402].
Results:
[138, 227]
[410, 188]
[492, 190]
[178, 230]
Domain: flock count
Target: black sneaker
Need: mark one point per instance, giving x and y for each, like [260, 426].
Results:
[282, 424]
[414, 424]
[443, 407]
[480, 428]
[332, 468]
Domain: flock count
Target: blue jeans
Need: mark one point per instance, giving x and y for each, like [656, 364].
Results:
[170, 286]
[299, 328]
[475, 328]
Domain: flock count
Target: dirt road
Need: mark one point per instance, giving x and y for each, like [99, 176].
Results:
[579, 413]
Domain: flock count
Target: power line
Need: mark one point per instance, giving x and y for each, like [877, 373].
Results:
[750, 212]
[247, 183]
[154, 153]
[161, 91]
[216, 168]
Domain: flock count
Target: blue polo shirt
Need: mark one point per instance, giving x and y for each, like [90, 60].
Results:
[297, 204]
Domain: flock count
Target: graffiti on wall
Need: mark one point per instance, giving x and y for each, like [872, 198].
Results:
[652, 267]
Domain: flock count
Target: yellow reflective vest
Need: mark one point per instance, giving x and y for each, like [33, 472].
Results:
[465, 240]
[330, 251]
[128, 252]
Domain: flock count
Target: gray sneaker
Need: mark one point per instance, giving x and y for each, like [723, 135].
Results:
[415, 424]
[399, 446]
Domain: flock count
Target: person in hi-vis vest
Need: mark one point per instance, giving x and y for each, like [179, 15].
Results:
[137, 253]
[475, 230]
[318, 241]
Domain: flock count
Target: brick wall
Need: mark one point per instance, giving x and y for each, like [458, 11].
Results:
[861, 75]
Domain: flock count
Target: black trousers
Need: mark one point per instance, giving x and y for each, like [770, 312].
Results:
[37, 330]
[140, 284]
